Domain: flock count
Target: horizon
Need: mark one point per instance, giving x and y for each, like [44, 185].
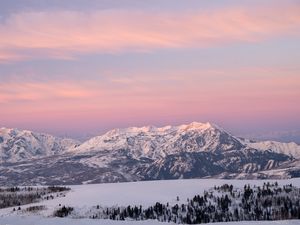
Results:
[281, 136]
[78, 68]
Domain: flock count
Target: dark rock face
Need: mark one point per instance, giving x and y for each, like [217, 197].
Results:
[76, 169]
[202, 164]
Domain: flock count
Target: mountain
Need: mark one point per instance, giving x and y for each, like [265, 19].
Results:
[291, 149]
[148, 153]
[155, 142]
[279, 136]
[16, 145]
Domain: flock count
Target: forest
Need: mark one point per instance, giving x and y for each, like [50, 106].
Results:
[17, 196]
[219, 204]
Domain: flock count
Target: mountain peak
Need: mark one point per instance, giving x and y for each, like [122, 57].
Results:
[197, 126]
[19, 145]
[154, 129]
[156, 142]
[182, 151]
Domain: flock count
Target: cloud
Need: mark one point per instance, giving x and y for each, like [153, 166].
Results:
[66, 34]
[10, 56]
[237, 85]
[232, 94]
[51, 91]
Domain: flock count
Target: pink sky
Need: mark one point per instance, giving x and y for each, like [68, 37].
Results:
[235, 64]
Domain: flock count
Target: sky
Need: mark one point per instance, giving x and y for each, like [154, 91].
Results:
[81, 67]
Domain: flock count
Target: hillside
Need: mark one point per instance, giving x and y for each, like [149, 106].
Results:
[85, 198]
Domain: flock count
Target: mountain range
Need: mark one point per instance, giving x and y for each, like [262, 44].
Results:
[147, 153]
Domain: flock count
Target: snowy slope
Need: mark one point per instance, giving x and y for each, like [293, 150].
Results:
[82, 197]
[150, 142]
[148, 153]
[156, 142]
[36, 220]
[147, 193]
[20, 145]
[291, 148]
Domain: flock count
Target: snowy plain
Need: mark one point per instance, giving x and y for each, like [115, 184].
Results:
[146, 193]
[34, 220]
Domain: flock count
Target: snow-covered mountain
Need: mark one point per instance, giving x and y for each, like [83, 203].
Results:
[21, 145]
[156, 142]
[291, 149]
[146, 153]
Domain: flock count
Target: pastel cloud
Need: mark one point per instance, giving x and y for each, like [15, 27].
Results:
[224, 94]
[65, 34]
[11, 92]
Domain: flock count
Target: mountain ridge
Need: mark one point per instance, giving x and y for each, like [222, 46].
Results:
[17, 145]
[194, 137]
[192, 150]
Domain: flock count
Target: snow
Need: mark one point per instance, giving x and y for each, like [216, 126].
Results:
[19, 145]
[153, 142]
[34, 220]
[148, 141]
[291, 149]
[122, 194]
[146, 193]
[195, 126]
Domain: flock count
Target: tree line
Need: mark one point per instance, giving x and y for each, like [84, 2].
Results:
[17, 196]
[219, 204]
